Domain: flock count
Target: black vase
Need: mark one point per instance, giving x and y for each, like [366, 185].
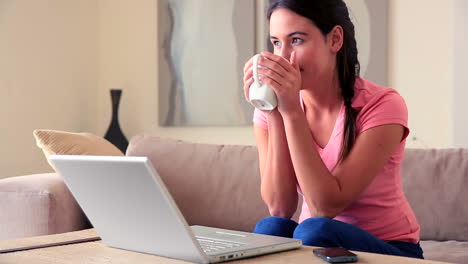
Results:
[114, 134]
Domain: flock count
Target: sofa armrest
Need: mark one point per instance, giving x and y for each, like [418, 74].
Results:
[38, 204]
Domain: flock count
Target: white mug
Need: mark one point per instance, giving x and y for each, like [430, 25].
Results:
[261, 95]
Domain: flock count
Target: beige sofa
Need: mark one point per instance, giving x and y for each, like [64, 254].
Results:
[218, 185]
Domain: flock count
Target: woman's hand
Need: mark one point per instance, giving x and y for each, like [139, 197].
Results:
[283, 77]
[248, 81]
[248, 78]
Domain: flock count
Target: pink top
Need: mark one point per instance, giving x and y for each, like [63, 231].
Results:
[381, 209]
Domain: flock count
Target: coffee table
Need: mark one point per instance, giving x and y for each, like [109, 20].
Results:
[85, 247]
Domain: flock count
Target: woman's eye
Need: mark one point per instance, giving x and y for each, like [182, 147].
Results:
[296, 40]
[276, 43]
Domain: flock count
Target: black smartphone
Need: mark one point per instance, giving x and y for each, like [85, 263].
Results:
[335, 255]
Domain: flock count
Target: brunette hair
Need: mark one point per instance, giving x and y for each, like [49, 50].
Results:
[326, 14]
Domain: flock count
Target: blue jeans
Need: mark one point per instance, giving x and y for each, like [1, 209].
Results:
[325, 232]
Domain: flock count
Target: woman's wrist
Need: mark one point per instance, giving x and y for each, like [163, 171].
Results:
[293, 114]
[273, 115]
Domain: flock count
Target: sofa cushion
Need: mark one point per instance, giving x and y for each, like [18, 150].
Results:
[35, 205]
[435, 182]
[448, 251]
[68, 143]
[199, 177]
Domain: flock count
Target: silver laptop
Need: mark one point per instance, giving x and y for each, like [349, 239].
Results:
[130, 208]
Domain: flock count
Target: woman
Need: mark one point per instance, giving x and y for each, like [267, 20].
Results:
[334, 138]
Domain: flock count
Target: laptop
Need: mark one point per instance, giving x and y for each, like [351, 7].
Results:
[130, 207]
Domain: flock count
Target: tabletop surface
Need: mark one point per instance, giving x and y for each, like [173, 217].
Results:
[85, 247]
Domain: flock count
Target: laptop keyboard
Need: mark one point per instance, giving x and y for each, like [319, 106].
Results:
[211, 245]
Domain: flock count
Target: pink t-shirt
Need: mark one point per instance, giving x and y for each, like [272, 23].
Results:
[381, 209]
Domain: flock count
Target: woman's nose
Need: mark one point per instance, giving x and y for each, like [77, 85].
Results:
[285, 52]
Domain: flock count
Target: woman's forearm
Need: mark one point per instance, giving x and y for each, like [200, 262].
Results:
[321, 187]
[279, 182]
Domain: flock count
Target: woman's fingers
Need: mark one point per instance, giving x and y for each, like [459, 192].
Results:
[269, 73]
[293, 60]
[276, 86]
[247, 85]
[275, 71]
[248, 64]
[281, 66]
[278, 69]
[272, 65]
[282, 62]
[248, 73]
[248, 78]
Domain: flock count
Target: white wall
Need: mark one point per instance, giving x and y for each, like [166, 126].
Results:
[48, 72]
[421, 67]
[460, 56]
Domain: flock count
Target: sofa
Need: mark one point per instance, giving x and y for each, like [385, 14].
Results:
[218, 186]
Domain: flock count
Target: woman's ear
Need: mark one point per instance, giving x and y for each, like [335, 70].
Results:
[335, 39]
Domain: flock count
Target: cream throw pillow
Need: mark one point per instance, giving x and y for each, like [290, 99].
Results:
[68, 143]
